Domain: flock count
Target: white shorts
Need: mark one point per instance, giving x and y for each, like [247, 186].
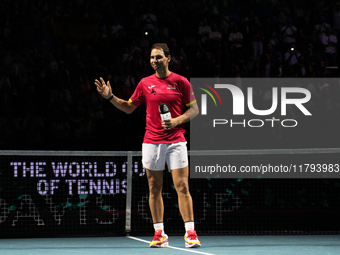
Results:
[155, 155]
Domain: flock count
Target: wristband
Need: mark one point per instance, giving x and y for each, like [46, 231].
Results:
[110, 98]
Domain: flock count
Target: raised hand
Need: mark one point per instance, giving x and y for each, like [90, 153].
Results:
[103, 88]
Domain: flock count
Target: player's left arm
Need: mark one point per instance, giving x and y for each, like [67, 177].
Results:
[189, 114]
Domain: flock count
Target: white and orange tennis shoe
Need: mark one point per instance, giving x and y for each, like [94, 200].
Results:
[191, 239]
[160, 240]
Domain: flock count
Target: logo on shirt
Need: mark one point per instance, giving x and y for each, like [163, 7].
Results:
[153, 92]
[172, 86]
[152, 86]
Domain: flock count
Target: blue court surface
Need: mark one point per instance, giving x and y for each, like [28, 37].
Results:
[255, 245]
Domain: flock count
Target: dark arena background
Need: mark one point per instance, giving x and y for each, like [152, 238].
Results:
[64, 150]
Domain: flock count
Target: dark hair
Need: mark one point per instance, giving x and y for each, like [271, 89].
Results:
[161, 46]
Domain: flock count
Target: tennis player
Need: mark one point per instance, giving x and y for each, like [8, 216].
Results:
[164, 141]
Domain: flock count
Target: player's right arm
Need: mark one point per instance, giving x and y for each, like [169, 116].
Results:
[105, 91]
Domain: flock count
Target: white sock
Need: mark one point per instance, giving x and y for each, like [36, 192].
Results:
[189, 225]
[159, 226]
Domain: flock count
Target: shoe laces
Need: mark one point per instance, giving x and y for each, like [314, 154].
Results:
[192, 234]
[158, 235]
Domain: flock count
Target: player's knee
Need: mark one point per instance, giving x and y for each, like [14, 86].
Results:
[155, 189]
[182, 188]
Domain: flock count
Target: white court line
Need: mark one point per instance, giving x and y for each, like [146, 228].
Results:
[171, 247]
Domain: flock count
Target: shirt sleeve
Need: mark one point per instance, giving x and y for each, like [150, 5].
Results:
[324, 40]
[137, 97]
[188, 93]
[335, 39]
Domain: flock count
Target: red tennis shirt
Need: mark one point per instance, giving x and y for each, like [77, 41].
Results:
[174, 90]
